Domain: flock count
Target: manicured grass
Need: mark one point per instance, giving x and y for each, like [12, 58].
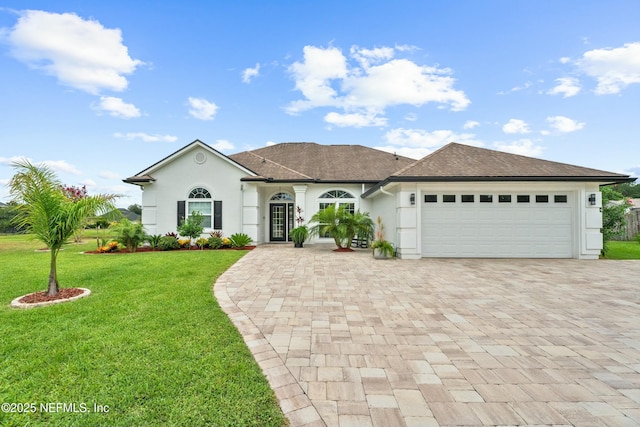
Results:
[150, 343]
[623, 250]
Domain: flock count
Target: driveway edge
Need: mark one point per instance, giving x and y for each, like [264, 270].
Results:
[294, 402]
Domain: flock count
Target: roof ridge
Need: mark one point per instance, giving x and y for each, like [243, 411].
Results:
[406, 168]
[278, 164]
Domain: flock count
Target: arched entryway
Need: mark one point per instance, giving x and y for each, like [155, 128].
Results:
[281, 216]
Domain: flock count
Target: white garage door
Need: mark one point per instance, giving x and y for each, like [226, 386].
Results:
[497, 225]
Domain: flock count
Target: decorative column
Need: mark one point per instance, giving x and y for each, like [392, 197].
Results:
[301, 197]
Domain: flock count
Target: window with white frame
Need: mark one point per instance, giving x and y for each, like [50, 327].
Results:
[337, 198]
[200, 201]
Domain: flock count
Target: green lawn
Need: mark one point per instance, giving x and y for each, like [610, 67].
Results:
[623, 250]
[150, 344]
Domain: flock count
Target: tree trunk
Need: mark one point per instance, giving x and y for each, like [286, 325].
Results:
[53, 274]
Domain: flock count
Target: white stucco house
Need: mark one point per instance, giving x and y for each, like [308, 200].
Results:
[460, 201]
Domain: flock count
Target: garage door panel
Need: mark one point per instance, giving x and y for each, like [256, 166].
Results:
[497, 230]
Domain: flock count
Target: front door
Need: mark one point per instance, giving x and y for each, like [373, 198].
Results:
[281, 221]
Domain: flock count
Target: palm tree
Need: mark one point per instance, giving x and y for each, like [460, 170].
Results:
[330, 221]
[342, 225]
[359, 224]
[48, 213]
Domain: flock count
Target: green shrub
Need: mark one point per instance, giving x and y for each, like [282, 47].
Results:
[202, 242]
[638, 237]
[240, 240]
[168, 243]
[129, 234]
[154, 240]
[215, 242]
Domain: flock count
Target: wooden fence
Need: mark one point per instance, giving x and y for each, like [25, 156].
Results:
[632, 228]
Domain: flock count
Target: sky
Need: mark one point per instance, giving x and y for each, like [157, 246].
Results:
[98, 91]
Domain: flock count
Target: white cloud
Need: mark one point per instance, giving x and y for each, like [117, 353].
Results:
[516, 126]
[11, 160]
[109, 175]
[523, 147]
[366, 57]
[62, 166]
[80, 53]
[222, 145]
[565, 60]
[116, 107]
[567, 87]
[564, 124]
[470, 124]
[270, 143]
[417, 143]
[202, 109]
[368, 82]
[313, 77]
[356, 120]
[614, 69]
[130, 136]
[249, 73]
[526, 85]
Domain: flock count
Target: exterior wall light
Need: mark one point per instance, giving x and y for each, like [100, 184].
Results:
[592, 199]
[412, 198]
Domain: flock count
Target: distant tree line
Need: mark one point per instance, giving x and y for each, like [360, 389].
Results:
[628, 189]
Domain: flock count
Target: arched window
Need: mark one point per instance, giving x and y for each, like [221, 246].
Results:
[337, 194]
[282, 197]
[199, 193]
[337, 198]
[199, 200]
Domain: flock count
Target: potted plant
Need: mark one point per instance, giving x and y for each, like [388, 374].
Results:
[299, 235]
[382, 248]
[301, 232]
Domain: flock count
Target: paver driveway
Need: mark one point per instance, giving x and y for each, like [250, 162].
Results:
[346, 340]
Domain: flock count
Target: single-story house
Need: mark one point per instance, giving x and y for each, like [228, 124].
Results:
[459, 201]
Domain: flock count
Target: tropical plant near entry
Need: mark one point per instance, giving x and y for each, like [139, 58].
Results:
[330, 221]
[359, 224]
[239, 240]
[48, 213]
[342, 225]
[381, 247]
[129, 234]
[299, 235]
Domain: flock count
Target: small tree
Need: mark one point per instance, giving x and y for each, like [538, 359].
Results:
[192, 227]
[613, 215]
[135, 208]
[51, 215]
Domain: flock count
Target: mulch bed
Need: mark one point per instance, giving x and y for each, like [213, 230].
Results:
[35, 297]
[148, 249]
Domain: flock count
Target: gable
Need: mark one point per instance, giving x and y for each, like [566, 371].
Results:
[146, 175]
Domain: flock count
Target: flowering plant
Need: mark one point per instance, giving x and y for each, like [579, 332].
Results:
[109, 247]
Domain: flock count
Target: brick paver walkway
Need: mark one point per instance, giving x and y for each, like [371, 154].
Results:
[346, 340]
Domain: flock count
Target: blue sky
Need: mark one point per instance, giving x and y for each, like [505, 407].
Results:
[101, 90]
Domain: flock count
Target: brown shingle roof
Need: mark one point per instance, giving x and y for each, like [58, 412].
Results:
[464, 161]
[311, 161]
